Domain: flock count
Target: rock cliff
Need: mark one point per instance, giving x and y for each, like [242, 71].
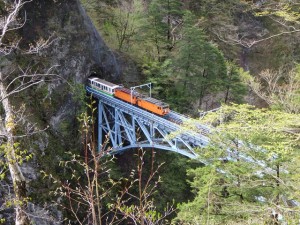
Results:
[74, 51]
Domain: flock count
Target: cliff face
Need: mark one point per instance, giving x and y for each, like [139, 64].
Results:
[74, 51]
[78, 47]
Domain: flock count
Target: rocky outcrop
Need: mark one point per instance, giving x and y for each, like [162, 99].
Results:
[74, 51]
[78, 48]
[75, 48]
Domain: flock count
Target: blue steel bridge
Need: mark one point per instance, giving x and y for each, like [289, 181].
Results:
[128, 126]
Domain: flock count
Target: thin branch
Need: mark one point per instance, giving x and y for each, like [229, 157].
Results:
[40, 45]
[9, 23]
[249, 44]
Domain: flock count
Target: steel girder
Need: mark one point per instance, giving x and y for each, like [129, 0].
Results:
[127, 126]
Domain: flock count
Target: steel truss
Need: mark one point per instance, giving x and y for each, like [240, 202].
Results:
[128, 126]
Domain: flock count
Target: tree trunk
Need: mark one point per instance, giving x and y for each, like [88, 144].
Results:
[19, 183]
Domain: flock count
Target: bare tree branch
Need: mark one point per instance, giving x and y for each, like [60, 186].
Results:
[40, 45]
[279, 13]
[12, 83]
[10, 22]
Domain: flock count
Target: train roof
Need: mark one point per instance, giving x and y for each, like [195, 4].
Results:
[149, 99]
[156, 102]
[128, 91]
[104, 82]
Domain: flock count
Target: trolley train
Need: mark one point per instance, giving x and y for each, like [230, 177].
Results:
[133, 97]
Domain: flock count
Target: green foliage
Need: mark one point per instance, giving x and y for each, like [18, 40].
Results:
[199, 67]
[289, 11]
[123, 24]
[156, 31]
[85, 184]
[163, 17]
[159, 74]
[3, 164]
[20, 155]
[11, 155]
[120, 23]
[174, 188]
[144, 204]
[79, 97]
[173, 51]
[2, 6]
[279, 89]
[235, 88]
[252, 172]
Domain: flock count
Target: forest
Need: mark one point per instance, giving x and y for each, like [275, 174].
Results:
[232, 66]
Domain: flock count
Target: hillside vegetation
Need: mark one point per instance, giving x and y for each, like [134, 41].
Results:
[197, 51]
[239, 57]
[202, 55]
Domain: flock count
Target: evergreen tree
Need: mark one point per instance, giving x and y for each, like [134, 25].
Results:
[163, 18]
[235, 88]
[253, 176]
[199, 67]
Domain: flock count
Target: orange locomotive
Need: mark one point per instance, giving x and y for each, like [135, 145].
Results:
[154, 105]
[133, 97]
[126, 95]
